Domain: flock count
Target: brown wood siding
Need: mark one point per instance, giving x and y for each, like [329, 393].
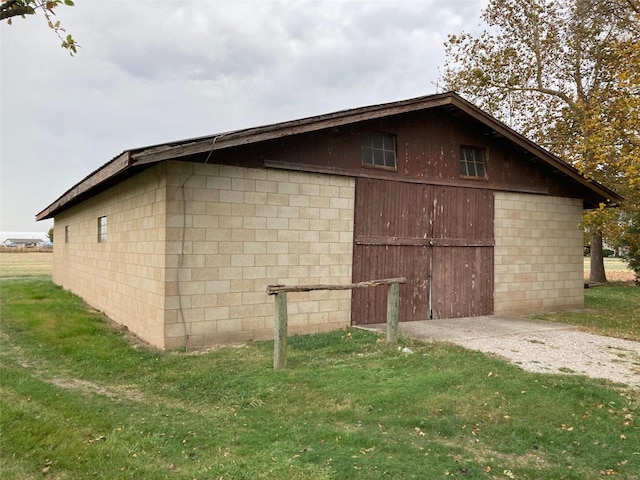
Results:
[369, 305]
[427, 146]
[398, 226]
[462, 281]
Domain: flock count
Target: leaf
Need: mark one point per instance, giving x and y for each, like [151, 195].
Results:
[69, 3]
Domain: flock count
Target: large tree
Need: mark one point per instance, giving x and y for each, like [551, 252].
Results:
[9, 9]
[564, 73]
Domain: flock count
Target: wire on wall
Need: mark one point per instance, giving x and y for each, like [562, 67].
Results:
[183, 241]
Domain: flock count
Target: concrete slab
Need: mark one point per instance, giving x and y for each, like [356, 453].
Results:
[461, 329]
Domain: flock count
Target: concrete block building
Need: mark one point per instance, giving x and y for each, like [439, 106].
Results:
[179, 241]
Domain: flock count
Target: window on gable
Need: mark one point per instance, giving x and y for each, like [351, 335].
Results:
[473, 162]
[102, 229]
[379, 150]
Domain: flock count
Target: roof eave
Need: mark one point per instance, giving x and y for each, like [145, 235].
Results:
[269, 132]
[157, 153]
[171, 150]
[94, 179]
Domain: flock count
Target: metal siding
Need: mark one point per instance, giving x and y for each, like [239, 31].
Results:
[394, 223]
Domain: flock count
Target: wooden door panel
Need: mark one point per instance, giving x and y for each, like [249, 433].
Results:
[369, 305]
[462, 281]
[398, 226]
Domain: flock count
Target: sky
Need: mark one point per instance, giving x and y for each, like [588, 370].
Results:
[155, 71]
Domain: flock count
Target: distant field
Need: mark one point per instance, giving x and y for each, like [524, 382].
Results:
[26, 264]
[616, 269]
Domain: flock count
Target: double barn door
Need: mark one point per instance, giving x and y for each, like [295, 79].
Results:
[440, 238]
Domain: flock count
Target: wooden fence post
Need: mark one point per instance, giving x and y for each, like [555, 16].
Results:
[280, 337]
[392, 313]
[280, 292]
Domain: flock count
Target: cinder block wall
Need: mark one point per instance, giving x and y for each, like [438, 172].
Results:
[123, 277]
[245, 229]
[538, 253]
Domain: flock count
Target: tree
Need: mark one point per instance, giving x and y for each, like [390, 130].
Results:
[616, 142]
[631, 242]
[20, 8]
[50, 234]
[564, 73]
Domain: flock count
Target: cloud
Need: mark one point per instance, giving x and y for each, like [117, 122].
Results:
[154, 71]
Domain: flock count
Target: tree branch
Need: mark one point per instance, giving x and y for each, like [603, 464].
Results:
[540, 89]
[12, 8]
[8, 4]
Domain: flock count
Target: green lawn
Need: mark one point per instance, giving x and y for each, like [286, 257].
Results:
[611, 310]
[78, 401]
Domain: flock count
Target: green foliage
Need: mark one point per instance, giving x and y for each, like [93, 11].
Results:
[77, 401]
[567, 74]
[19, 8]
[50, 234]
[631, 243]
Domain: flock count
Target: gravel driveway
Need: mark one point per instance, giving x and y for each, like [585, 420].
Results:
[567, 351]
[536, 346]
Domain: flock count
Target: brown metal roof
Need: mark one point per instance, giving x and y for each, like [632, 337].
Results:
[136, 159]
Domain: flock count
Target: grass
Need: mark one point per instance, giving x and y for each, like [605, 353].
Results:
[78, 401]
[617, 269]
[18, 263]
[611, 310]
[610, 264]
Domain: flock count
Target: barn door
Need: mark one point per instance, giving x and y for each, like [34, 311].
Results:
[439, 238]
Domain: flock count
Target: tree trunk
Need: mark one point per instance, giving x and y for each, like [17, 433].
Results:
[597, 274]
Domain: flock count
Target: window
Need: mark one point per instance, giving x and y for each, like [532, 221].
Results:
[472, 162]
[66, 234]
[379, 150]
[102, 229]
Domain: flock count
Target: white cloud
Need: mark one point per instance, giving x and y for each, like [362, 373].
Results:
[153, 71]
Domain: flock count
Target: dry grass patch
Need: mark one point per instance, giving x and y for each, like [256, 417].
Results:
[616, 269]
[25, 264]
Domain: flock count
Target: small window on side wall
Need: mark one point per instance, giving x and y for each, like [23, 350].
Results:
[473, 162]
[379, 150]
[102, 229]
[66, 234]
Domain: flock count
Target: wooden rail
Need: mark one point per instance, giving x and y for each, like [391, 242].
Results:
[281, 317]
